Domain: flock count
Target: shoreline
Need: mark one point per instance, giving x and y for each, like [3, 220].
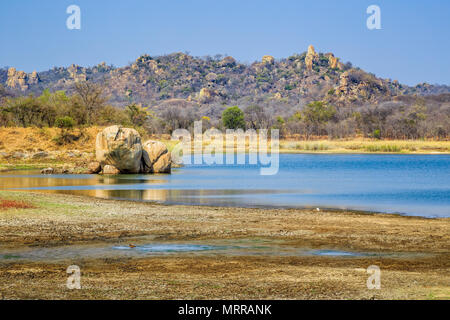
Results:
[409, 250]
[224, 207]
[209, 205]
[17, 165]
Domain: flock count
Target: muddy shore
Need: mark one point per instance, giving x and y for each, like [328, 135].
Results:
[413, 253]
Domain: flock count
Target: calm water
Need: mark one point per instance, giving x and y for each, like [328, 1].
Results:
[408, 184]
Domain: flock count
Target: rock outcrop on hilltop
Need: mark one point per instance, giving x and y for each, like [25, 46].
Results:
[333, 62]
[214, 81]
[268, 60]
[120, 150]
[21, 80]
[311, 57]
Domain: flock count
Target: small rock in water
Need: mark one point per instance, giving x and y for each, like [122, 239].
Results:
[48, 171]
[108, 169]
[65, 170]
[132, 245]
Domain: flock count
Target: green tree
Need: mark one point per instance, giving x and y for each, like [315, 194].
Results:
[66, 125]
[316, 114]
[233, 118]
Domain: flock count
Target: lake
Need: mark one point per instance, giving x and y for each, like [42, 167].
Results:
[417, 185]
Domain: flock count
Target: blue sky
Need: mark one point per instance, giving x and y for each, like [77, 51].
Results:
[413, 45]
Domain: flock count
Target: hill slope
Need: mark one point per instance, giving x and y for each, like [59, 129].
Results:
[292, 81]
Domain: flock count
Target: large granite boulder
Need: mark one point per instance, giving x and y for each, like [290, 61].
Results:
[156, 157]
[119, 147]
[163, 164]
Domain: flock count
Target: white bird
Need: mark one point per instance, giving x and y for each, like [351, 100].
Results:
[317, 209]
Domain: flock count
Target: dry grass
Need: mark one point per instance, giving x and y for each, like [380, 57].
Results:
[44, 139]
[359, 145]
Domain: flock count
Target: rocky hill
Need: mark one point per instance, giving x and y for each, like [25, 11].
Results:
[184, 79]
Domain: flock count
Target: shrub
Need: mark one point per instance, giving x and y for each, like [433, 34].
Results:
[377, 134]
[233, 118]
[64, 122]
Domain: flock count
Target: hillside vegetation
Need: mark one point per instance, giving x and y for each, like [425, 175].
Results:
[306, 95]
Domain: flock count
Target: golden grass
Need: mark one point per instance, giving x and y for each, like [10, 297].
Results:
[44, 139]
[360, 145]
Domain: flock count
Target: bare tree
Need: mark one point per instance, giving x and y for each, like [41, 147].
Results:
[92, 97]
[257, 118]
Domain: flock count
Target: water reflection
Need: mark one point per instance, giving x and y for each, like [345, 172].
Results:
[409, 184]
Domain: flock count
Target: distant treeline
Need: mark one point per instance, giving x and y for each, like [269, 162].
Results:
[406, 117]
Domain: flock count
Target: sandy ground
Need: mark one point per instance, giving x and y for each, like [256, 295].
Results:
[414, 253]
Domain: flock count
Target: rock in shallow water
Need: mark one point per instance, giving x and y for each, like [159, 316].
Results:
[156, 157]
[119, 147]
[108, 169]
[94, 167]
[163, 164]
[122, 149]
[48, 171]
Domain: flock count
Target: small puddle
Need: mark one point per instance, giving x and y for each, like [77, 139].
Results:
[169, 248]
[335, 253]
[138, 248]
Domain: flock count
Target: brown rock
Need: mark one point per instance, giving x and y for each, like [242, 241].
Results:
[94, 167]
[343, 83]
[206, 95]
[268, 60]
[152, 150]
[156, 157]
[17, 79]
[227, 62]
[48, 171]
[333, 62]
[40, 155]
[163, 164]
[311, 57]
[108, 169]
[34, 78]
